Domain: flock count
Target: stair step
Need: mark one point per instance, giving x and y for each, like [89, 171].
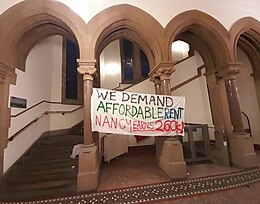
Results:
[38, 194]
[40, 172]
[35, 167]
[53, 139]
[40, 161]
[36, 178]
[52, 148]
[45, 171]
[42, 185]
[46, 156]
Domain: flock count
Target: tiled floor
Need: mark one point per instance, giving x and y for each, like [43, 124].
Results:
[139, 168]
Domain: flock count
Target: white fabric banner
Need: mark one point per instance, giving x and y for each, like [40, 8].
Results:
[137, 114]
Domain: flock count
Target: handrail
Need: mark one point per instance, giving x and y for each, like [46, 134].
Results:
[199, 74]
[39, 117]
[248, 122]
[39, 103]
[141, 80]
[131, 85]
[182, 60]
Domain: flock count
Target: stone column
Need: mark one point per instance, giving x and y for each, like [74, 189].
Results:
[7, 77]
[157, 84]
[88, 173]
[228, 73]
[221, 118]
[158, 140]
[241, 144]
[170, 156]
[222, 94]
[165, 77]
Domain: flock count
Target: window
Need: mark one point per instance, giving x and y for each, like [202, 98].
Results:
[72, 80]
[134, 62]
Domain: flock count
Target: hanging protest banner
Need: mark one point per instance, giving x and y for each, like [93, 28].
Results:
[137, 114]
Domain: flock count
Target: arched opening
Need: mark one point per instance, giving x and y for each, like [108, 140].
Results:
[118, 24]
[39, 26]
[133, 46]
[245, 40]
[180, 50]
[122, 63]
[208, 42]
[203, 33]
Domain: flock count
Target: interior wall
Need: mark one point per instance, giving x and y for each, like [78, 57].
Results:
[34, 85]
[110, 77]
[231, 10]
[195, 93]
[147, 87]
[56, 43]
[40, 81]
[248, 97]
[110, 66]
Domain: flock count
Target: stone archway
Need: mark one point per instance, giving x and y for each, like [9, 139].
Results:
[126, 21]
[36, 20]
[245, 44]
[209, 37]
[245, 33]
[21, 27]
[113, 23]
[200, 29]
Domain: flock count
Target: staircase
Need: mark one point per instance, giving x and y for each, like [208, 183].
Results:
[45, 171]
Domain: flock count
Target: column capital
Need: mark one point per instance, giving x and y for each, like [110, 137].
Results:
[164, 70]
[229, 71]
[87, 68]
[155, 78]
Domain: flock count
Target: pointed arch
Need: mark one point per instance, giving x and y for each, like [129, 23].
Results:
[125, 21]
[245, 34]
[197, 28]
[36, 20]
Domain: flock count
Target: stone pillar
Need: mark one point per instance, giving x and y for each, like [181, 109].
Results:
[88, 173]
[221, 118]
[7, 77]
[241, 144]
[170, 155]
[157, 84]
[222, 94]
[158, 140]
[165, 77]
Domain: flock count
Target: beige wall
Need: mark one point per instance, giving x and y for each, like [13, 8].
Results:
[248, 98]
[225, 11]
[231, 10]
[40, 81]
[110, 66]
[196, 94]
[144, 87]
